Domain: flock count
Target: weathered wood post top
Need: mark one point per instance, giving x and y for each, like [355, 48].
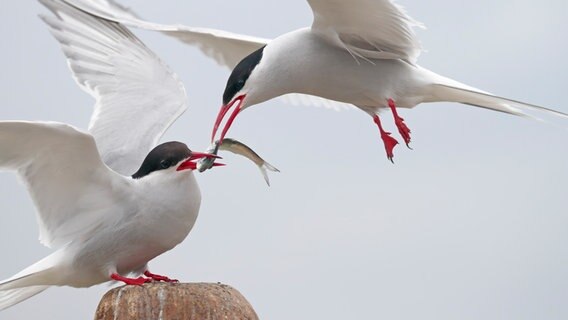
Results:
[168, 301]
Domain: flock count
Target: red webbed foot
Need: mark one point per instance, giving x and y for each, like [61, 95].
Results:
[403, 130]
[130, 281]
[388, 141]
[399, 122]
[158, 277]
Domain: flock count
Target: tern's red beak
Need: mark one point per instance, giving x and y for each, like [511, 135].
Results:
[190, 165]
[238, 101]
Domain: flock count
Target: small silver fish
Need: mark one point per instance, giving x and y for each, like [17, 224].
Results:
[239, 148]
[206, 164]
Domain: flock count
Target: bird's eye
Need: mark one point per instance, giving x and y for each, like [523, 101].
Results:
[240, 84]
[164, 164]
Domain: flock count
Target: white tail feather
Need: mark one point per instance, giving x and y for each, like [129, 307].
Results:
[31, 281]
[20, 288]
[12, 297]
[44, 277]
[471, 96]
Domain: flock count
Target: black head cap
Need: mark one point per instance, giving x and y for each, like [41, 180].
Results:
[240, 74]
[163, 157]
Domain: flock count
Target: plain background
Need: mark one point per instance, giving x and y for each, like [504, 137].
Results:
[472, 224]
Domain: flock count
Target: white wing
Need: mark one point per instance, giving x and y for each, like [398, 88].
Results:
[64, 174]
[371, 29]
[137, 96]
[226, 48]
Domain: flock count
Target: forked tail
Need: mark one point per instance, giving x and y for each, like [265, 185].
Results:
[12, 297]
[21, 287]
[456, 92]
[30, 281]
[263, 169]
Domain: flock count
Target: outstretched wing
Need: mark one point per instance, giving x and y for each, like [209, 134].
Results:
[226, 48]
[137, 96]
[371, 29]
[71, 187]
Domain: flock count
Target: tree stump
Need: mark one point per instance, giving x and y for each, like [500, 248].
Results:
[180, 301]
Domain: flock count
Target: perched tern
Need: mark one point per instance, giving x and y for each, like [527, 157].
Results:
[360, 52]
[109, 200]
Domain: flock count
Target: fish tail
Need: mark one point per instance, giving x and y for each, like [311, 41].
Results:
[264, 168]
[270, 167]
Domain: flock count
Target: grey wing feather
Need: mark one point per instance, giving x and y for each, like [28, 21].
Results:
[226, 48]
[370, 29]
[64, 174]
[137, 96]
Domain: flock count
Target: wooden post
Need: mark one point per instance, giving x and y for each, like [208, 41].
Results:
[167, 301]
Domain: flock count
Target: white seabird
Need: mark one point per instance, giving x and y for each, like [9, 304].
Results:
[360, 52]
[106, 214]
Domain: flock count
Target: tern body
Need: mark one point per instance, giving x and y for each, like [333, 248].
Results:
[111, 199]
[105, 225]
[360, 52]
[304, 62]
[141, 228]
[145, 227]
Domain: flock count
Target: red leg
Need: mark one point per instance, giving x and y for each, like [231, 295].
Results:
[158, 277]
[130, 281]
[402, 128]
[389, 141]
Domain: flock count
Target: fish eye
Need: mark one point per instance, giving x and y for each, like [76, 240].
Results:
[164, 164]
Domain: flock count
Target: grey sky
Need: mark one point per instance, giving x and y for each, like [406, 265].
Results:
[470, 225]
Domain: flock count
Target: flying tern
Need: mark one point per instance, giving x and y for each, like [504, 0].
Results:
[359, 52]
[109, 200]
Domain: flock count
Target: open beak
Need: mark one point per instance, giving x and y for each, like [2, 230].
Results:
[238, 101]
[190, 165]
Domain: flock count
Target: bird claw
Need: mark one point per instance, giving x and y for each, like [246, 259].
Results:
[389, 143]
[158, 277]
[403, 130]
[131, 281]
[399, 122]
